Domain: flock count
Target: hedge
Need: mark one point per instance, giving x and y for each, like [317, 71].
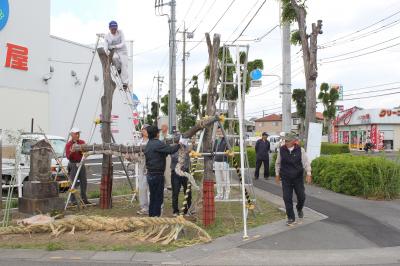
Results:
[369, 177]
[272, 164]
[330, 148]
[251, 154]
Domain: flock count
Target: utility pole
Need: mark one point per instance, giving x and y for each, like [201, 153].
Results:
[172, 60]
[286, 79]
[184, 63]
[160, 79]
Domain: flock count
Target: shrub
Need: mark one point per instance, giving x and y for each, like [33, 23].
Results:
[330, 148]
[369, 177]
[251, 155]
[272, 164]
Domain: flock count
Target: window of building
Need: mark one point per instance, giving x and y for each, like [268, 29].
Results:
[296, 121]
[274, 124]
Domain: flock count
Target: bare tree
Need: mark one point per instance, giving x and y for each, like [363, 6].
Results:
[295, 10]
[106, 107]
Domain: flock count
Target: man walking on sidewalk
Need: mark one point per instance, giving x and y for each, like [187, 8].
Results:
[290, 165]
[262, 155]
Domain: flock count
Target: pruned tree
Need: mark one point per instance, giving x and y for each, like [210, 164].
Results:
[208, 207]
[164, 104]
[230, 91]
[195, 96]
[186, 118]
[299, 97]
[328, 97]
[203, 103]
[295, 10]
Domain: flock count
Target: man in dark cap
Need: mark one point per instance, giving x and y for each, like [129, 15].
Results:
[156, 152]
[291, 163]
[262, 155]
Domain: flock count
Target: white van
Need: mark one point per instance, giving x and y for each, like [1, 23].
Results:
[274, 141]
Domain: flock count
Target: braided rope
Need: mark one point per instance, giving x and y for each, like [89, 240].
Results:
[153, 229]
[250, 204]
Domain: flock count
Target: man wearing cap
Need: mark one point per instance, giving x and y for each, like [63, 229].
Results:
[291, 163]
[156, 152]
[262, 155]
[142, 180]
[115, 40]
[75, 159]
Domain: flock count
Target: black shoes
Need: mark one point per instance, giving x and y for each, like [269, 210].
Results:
[300, 214]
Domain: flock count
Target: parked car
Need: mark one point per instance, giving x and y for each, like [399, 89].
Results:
[25, 143]
[274, 141]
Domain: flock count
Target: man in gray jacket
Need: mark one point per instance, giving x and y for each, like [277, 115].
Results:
[291, 163]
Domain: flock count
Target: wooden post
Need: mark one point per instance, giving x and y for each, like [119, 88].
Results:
[208, 195]
[106, 107]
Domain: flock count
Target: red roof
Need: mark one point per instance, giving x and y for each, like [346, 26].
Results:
[275, 117]
[270, 118]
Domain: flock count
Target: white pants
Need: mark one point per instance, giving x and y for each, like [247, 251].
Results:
[167, 173]
[143, 189]
[120, 61]
[222, 179]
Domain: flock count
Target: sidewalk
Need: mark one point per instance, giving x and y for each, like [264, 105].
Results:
[320, 240]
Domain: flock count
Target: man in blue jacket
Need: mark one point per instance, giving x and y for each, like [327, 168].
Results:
[262, 155]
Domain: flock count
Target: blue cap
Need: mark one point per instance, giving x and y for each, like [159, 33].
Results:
[113, 24]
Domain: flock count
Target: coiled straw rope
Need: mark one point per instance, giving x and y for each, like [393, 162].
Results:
[153, 229]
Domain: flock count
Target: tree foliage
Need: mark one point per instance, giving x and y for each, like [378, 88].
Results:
[195, 96]
[328, 97]
[164, 104]
[186, 118]
[203, 104]
[299, 97]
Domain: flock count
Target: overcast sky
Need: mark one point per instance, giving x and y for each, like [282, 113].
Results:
[79, 21]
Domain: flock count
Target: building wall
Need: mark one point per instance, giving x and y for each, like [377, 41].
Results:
[65, 92]
[272, 127]
[23, 94]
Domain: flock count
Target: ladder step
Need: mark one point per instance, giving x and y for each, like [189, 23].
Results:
[231, 118]
[228, 83]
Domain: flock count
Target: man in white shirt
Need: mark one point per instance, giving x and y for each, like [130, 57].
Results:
[115, 40]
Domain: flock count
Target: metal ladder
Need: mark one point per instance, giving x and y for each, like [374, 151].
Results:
[227, 64]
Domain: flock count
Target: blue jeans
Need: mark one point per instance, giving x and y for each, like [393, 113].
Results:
[156, 188]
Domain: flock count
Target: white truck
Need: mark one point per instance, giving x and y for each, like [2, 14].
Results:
[24, 144]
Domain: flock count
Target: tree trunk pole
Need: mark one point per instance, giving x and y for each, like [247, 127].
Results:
[106, 108]
[208, 185]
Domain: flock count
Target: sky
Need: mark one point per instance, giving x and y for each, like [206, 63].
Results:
[353, 31]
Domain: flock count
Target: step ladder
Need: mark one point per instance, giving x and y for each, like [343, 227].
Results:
[234, 76]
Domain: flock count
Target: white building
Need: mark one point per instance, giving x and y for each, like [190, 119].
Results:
[42, 77]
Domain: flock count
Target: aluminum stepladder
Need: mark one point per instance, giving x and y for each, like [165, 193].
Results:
[237, 64]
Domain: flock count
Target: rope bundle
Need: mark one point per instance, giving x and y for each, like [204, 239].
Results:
[153, 229]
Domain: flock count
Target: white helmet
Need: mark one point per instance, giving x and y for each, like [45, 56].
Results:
[75, 130]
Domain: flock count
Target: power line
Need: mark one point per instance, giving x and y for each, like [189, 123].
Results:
[266, 34]
[198, 13]
[251, 20]
[364, 35]
[374, 91]
[347, 58]
[374, 86]
[215, 25]
[379, 95]
[362, 49]
[244, 18]
[362, 29]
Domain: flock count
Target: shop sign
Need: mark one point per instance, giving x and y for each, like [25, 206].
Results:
[346, 116]
[339, 108]
[4, 13]
[17, 57]
[365, 119]
[388, 112]
[374, 134]
[381, 139]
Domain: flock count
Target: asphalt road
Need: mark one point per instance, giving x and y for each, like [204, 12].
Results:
[343, 229]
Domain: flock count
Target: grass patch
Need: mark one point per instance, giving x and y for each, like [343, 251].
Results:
[228, 221]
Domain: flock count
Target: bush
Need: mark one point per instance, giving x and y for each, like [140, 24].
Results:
[251, 155]
[369, 177]
[330, 148]
[272, 164]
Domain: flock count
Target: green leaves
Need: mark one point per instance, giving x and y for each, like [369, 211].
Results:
[299, 97]
[328, 97]
[370, 177]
